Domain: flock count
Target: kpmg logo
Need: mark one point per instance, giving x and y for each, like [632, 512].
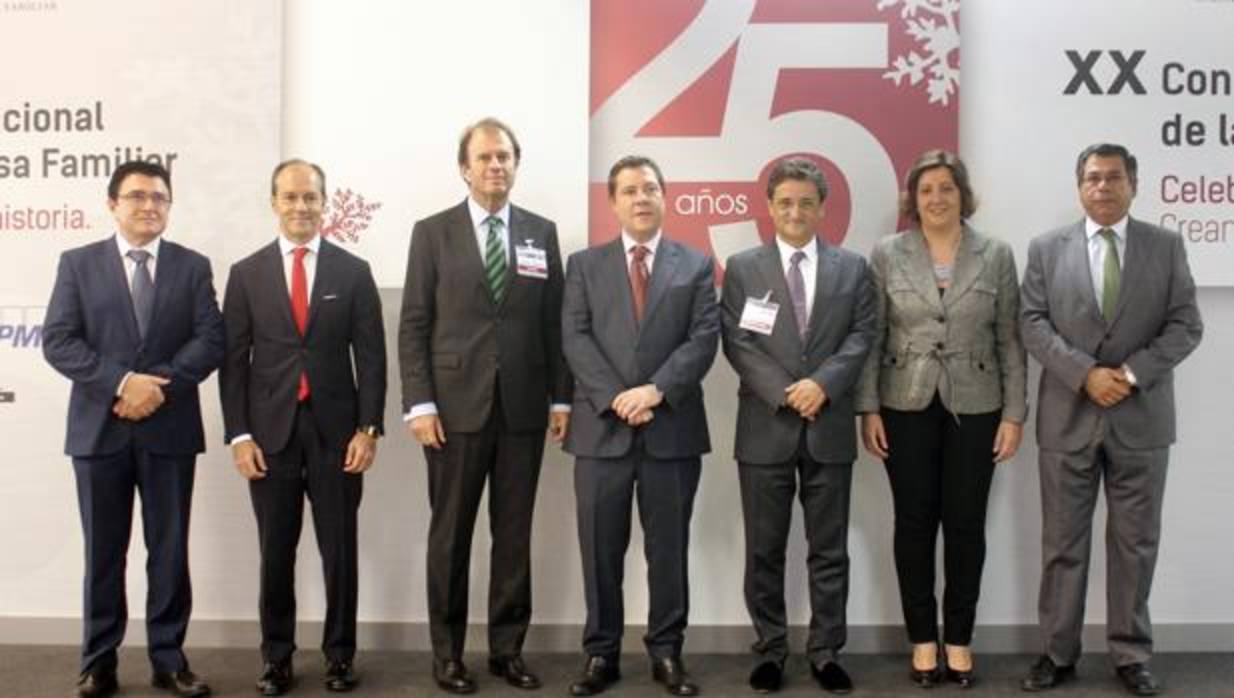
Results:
[1124, 63]
[21, 327]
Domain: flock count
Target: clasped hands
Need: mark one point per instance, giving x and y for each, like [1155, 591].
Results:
[1107, 386]
[807, 397]
[634, 406]
[141, 395]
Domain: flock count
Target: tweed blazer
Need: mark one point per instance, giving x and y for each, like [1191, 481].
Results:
[963, 344]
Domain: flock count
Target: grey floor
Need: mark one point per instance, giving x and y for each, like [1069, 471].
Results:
[36, 671]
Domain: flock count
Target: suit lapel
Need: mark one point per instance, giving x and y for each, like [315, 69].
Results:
[113, 271]
[461, 244]
[826, 278]
[517, 233]
[326, 257]
[167, 269]
[274, 279]
[618, 281]
[969, 265]
[662, 269]
[1075, 258]
[1133, 266]
[918, 267]
[771, 269]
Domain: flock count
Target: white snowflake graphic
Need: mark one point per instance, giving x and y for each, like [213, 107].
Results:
[932, 23]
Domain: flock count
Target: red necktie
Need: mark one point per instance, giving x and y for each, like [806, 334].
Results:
[299, 308]
[638, 279]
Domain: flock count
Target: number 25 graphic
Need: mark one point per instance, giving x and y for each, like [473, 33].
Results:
[750, 137]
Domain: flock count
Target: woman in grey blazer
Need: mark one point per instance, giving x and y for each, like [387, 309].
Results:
[942, 400]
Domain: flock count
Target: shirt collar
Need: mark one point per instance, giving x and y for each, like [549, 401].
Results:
[152, 247]
[629, 243]
[787, 250]
[286, 246]
[1092, 227]
[479, 214]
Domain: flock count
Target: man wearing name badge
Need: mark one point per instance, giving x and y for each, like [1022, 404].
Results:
[303, 388]
[1109, 309]
[798, 319]
[133, 322]
[483, 378]
[640, 327]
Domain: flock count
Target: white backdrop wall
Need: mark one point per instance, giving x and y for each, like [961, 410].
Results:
[377, 93]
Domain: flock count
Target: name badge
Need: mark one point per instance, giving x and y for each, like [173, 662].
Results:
[531, 261]
[759, 315]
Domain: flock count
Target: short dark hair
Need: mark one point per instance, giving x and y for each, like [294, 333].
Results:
[1107, 150]
[801, 170]
[630, 162]
[278, 169]
[930, 160]
[488, 123]
[136, 167]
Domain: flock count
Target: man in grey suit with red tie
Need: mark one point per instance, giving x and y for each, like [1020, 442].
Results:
[133, 322]
[1109, 309]
[303, 389]
[798, 322]
[640, 327]
[483, 378]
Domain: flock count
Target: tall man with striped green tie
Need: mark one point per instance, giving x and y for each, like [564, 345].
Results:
[483, 378]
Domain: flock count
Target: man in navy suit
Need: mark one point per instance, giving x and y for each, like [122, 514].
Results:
[133, 322]
[640, 327]
[303, 388]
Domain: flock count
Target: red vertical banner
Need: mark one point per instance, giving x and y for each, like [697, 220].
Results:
[716, 91]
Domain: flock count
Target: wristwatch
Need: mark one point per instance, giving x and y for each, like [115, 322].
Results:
[370, 430]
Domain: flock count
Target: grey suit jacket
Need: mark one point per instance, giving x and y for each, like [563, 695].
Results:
[1156, 325]
[455, 343]
[964, 344]
[837, 341]
[609, 352]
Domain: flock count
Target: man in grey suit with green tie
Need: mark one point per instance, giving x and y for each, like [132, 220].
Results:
[1108, 309]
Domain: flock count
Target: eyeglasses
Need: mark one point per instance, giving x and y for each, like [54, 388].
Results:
[141, 198]
[1094, 179]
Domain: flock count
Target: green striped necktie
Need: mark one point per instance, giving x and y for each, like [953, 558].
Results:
[495, 259]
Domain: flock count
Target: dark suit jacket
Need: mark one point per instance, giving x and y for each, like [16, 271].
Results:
[1156, 325]
[609, 352]
[839, 337]
[266, 354]
[90, 336]
[455, 343]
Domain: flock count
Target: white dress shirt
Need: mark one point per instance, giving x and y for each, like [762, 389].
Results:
[652, 245]
[808, 266]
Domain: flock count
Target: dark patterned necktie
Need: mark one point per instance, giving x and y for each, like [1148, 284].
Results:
[495, 259]
[143, 290]
[638, 279]
[797, 292]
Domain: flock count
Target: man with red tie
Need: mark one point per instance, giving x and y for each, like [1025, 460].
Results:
[303, 387]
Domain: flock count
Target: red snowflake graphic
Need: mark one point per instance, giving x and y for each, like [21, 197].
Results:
[347, 215]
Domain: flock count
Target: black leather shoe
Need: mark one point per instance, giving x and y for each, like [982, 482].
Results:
[452, 676]
[963, 679]
[97, 684]
[514, 671]
[276, 678]
[767, 677]
[1138, 680]
[672, 674]
[598, 674]
[341, 677]
[832, 678]
[183, 683]
[925, 678]
[1045, 675]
